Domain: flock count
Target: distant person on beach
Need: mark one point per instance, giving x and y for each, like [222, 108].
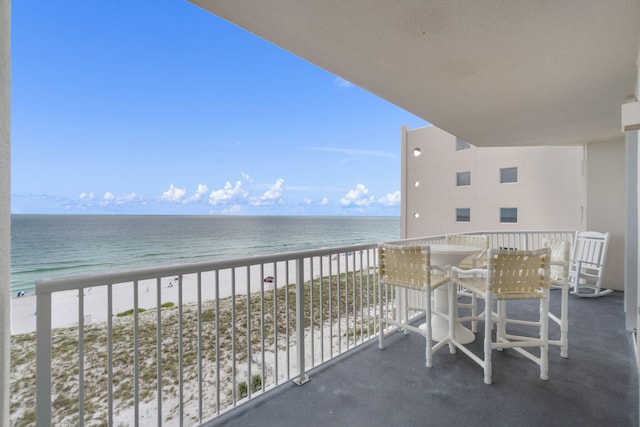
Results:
[21, 293]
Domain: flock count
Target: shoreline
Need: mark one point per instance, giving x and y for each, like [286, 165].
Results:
[65, 305]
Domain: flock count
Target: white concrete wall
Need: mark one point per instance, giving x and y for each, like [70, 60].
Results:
[606, 203]
[5, 210]
[561, 188]
[549, 194]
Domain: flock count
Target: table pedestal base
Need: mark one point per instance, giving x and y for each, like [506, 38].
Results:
[440, 324]
[440, 330]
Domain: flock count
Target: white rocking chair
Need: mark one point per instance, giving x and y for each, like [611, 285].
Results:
[587, 264]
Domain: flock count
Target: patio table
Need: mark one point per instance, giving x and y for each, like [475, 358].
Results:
[444, 256]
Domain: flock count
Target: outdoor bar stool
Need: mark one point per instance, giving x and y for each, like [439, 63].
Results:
[401, 269]
[558, 279]
[510, 275]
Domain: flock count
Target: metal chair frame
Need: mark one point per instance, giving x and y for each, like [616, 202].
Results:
[407, 268]
[510, 275]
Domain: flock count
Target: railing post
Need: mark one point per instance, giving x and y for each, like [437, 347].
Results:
[43, 360]
[302, 374]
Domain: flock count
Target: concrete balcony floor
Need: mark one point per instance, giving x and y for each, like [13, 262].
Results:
[596, 386]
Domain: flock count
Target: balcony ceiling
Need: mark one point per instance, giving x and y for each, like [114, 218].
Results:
[492, 72]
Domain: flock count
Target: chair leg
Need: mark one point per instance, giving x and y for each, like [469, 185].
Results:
[453, 316]
[501, 324]
[544, 336]
[487, 339]
[405, 309]
[564, 322]
[429, 345]
[380, 318]
[474, 313]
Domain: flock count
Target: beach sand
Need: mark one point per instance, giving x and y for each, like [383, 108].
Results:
[65, 314]
[65, 305]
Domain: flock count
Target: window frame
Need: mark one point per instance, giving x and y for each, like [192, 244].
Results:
[506, 169]
[458, 215]
[503, 217]
[460, 174]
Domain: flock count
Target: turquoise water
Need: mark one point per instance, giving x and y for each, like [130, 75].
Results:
[46, 246]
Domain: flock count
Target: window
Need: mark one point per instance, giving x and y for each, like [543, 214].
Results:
[509, 215]
[463, 215]
[462, 145]
[508, 175]
[463, 178]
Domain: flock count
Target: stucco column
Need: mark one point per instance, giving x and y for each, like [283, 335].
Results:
[631, 128]
[5, 210]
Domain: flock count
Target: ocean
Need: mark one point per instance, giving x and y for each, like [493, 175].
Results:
[47, 246]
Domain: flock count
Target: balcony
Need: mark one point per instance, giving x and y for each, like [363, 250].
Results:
[175, 346]
[596, 386]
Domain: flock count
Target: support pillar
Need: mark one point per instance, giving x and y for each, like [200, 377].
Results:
[5, 209]
[631, 128]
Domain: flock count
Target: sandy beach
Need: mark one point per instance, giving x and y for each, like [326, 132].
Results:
[65, 310]
[65, 314]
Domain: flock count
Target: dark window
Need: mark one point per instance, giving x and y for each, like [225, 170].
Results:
[463, 178]
[508, 175]
[463, 214]
[509, 215]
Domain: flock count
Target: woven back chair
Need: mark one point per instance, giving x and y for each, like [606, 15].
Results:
[510, 275]
[402, 268]
[587, 264]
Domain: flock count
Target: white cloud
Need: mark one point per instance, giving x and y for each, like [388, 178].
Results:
[340, 82]
[357, 197]
[246, 177]
[127, 198]
[271, 196]
[391, 199]
[87, 197]
[227, 194]
[109, 198]
[323, 202]
[200, 192]
[173, 194]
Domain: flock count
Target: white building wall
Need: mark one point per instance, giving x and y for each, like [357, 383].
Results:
[558, 188]
[606, 203]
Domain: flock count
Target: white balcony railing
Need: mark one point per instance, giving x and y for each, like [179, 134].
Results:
[229, 334]
[185, 343]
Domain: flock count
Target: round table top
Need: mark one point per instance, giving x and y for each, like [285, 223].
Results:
[454, 249]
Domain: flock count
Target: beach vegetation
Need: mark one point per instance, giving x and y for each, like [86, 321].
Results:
[130, 312]
[256, 384]
[243, 390]
[264, 323]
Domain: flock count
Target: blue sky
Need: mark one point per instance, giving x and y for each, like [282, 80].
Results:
[159, 107]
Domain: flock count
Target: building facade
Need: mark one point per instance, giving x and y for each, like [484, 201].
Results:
[450, 186]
